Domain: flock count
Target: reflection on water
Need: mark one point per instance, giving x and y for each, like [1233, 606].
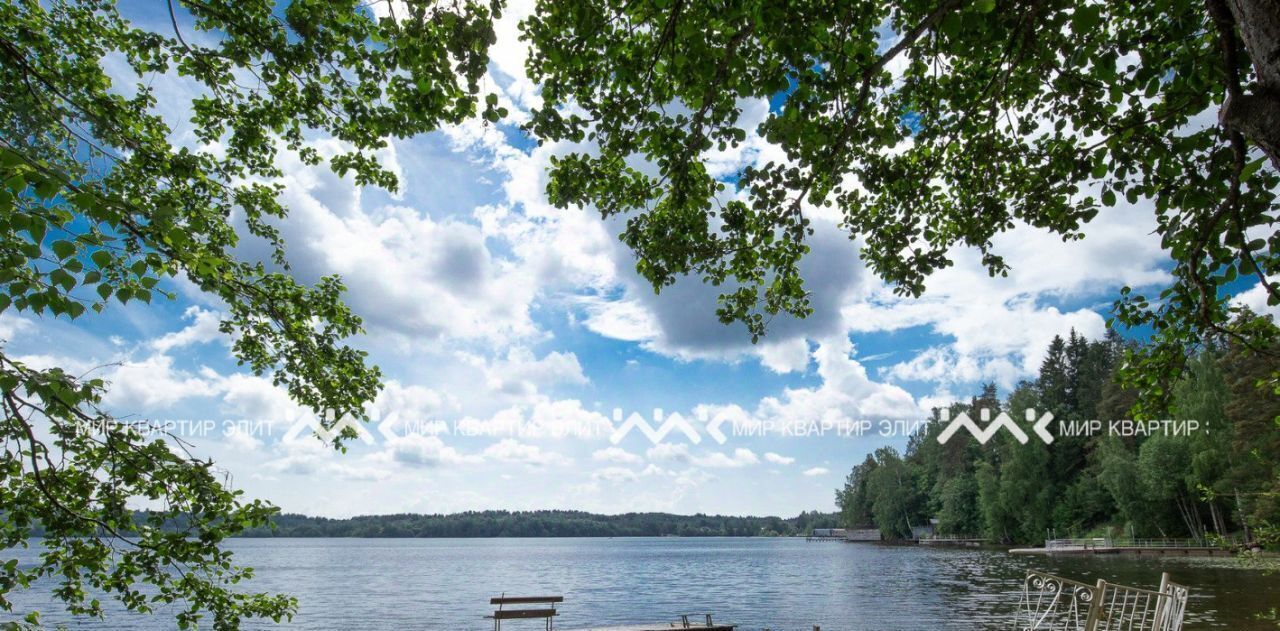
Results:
[781, 584]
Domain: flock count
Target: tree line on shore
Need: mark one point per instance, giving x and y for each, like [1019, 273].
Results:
[543, 523]
[1221, 480]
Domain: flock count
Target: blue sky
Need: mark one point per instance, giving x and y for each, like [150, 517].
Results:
[502, 322]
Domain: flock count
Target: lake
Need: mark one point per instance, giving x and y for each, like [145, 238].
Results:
[780, 584]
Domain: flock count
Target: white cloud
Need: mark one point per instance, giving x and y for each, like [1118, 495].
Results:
[520, 374]
[425, 451]
[544, 419]
[741, 457]
[615, 475]
[203, 328]
[153, 384]
[769, 456]
[11, 325]
[786, 356]
[410, 408]
[998, 328]
[845, 394]
[943, 365]
[252, 397]
[241, 439]
[513, 451]
[681, 321]
[677, 452]
[615, 454]
[1255, 298]
[407, 274]
[816, 471]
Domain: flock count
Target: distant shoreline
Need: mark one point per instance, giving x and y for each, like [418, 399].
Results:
[541, 523]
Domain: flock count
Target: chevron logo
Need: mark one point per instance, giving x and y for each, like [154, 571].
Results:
[672, 423]
[1002, 421]
[327, 434]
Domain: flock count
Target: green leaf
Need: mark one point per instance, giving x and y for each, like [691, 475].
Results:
[1251, 168]
[101, 258]
[63, 249]
[1086, 18]
[37, 230]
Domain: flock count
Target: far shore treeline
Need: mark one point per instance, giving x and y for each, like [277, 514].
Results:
[1220, 481]
[543, 523]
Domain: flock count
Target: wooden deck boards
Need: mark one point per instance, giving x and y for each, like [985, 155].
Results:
[661, 626]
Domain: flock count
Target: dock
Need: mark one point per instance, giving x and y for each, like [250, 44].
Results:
[546, 608]
[1133, 547]
[966, 541]
[661, 626]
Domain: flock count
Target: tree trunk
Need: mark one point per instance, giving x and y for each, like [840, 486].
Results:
[1256, 114]
[1244, 521]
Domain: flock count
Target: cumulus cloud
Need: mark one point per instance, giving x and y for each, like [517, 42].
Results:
[769, 456]
[253, 397]
[616, 454]
[203, 328]
[513, 451]
[676, 452]
[997, 329]
[546, 418]
[740, 457]
[615, 474]
[154, 384]
[681, 321]
[241, 439]
[816, 471]
[418, 450]
[520, 374]
[407, 273]
[846, 393]
[402, 409]
[1255, 298]
[785, 356]
[11, 325]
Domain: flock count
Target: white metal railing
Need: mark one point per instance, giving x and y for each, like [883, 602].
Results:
[1053, 603]
[1096, 542]
[1108, 542]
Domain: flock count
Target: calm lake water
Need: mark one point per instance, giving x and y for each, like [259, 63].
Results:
[780, 584]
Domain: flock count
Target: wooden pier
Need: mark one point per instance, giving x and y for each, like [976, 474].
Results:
[545, 608]
[661, 626]
[1132, 547]
[964, 541]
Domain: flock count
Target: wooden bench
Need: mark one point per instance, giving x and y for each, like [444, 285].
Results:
[547, 613]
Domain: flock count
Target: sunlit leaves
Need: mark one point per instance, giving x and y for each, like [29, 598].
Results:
[929, 127]
[102, 203]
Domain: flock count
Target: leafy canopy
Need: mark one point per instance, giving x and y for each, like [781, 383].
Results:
[973, 119]
[926, 126]
[101, 206]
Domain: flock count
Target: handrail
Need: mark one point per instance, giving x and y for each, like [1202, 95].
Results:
[1108, 542]
[1054, 603]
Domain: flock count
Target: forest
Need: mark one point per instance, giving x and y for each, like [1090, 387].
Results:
[1220, 481]
[543, 523]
